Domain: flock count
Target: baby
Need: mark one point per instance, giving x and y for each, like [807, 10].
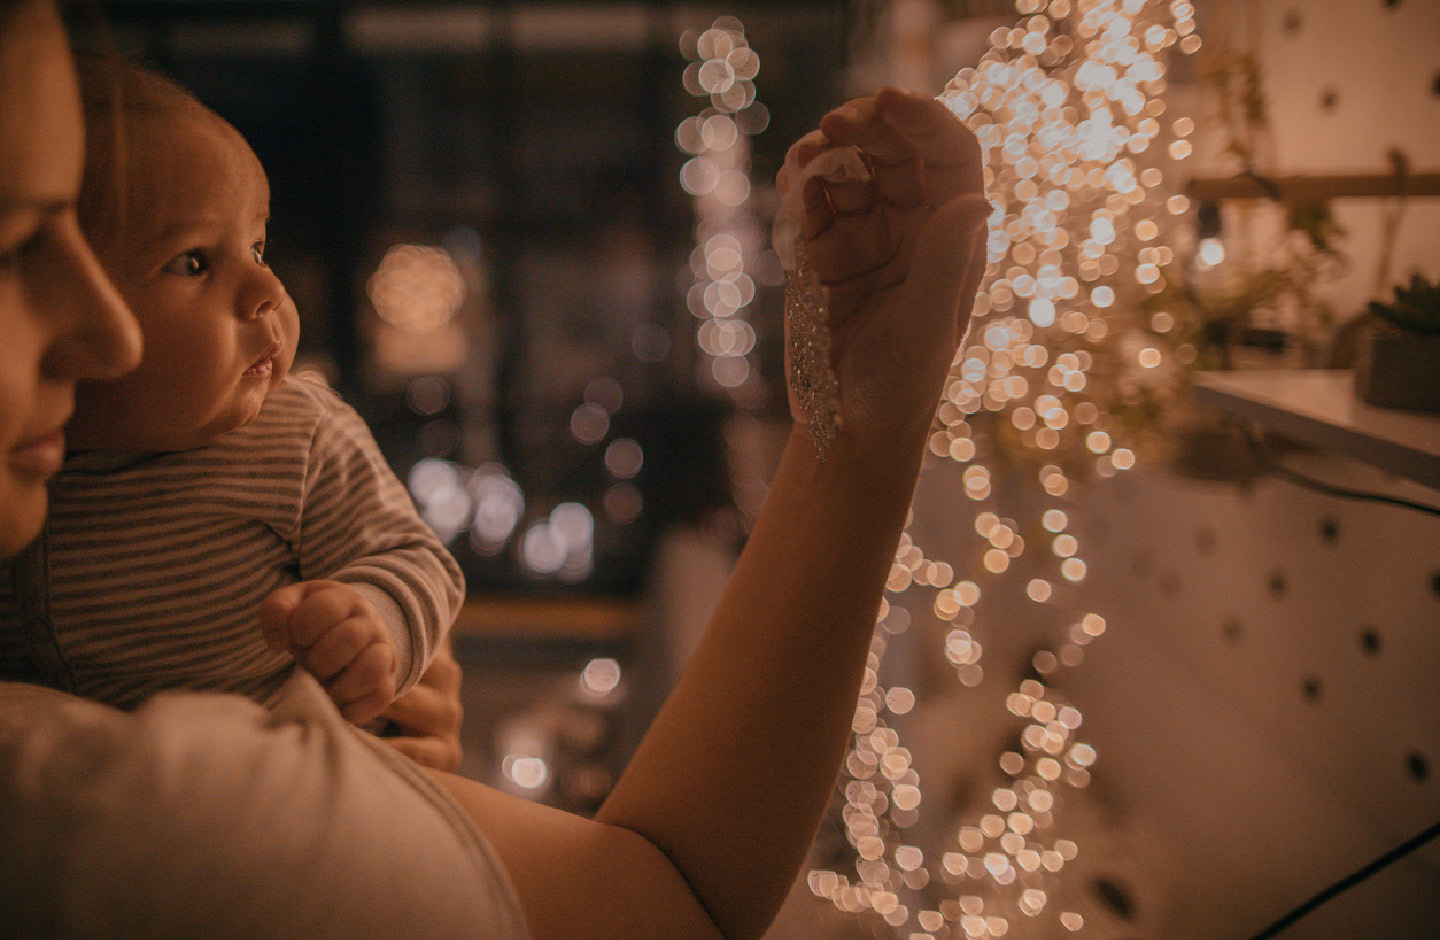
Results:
[217, 520]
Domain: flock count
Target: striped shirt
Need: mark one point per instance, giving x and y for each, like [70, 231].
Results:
[152, 567]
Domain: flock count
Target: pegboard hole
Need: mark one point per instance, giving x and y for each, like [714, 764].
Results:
[1417, 766]
[1114, 896]
[1329, 99]
[1277, 585]
[1435, 583]
[1312, 688]
[1330, 530]
[1232, 631]
[1370, 641]
[1170, 583]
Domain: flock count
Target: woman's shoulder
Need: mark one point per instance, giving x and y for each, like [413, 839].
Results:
[227, 806]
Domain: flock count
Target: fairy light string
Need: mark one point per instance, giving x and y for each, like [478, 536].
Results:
[729, 238]
[1066, 347]
[730, 243]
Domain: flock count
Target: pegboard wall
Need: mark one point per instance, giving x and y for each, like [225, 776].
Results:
[1266, 700]
[1267, 695]
[1345, 83]
[1264, 703]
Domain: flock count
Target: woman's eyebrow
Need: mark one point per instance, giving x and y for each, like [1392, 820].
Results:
[22, 214]
[39, 205]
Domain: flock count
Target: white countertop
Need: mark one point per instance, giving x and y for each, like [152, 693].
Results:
[1319, 407]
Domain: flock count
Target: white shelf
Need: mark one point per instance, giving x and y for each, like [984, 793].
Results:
[1320, 408]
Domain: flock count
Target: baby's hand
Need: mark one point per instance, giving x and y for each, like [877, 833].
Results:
[339, 638]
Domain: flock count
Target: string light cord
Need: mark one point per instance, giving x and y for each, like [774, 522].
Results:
[1350, 881]
[1272, 189]
[1257, 451]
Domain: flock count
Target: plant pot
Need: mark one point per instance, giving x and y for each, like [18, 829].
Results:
[1399, 369]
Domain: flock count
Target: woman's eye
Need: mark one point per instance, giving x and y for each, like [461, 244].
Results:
[10, 257]
[187, 264]
[13, 253]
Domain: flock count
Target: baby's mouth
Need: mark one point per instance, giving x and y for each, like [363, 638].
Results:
[265, 364]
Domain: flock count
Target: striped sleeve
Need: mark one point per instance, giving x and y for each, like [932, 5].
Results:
[358, 526]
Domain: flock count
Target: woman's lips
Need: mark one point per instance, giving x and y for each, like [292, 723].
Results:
[39, 456]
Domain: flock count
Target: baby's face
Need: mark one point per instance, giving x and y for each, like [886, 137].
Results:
[219, 329]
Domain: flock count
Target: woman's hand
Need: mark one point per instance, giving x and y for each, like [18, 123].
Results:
[427, 718]
[901, 254]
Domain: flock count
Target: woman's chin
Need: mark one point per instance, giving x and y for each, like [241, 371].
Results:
[23, 502]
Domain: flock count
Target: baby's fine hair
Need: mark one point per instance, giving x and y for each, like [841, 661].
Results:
[114, 90]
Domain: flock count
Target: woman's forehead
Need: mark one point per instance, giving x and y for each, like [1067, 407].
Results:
[40, 123]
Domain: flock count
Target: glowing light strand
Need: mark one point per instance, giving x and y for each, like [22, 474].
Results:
[729, 239]
[1067, 106]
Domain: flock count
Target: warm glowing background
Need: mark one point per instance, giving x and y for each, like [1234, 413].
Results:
[1125, 684]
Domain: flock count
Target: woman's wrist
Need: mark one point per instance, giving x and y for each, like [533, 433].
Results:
[888, 458]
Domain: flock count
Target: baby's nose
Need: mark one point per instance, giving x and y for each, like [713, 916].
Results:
[265, 295]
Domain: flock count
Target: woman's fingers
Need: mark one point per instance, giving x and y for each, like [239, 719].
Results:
[857, 245]
[858, 123]
[920, 156]
[925, 185]
[819, 213]
[851, 195]
[900, 251]
[949, 150]
[425, 710]
[944, 257]
[897, 168]
[919, 149]
[429, 752]
[798, 157]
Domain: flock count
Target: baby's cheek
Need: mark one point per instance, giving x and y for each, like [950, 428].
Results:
[290, 327]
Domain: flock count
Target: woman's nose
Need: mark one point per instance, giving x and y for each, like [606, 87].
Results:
[99, 338]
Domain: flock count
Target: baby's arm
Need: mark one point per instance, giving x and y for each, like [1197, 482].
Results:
[359, 527]
[339, 638]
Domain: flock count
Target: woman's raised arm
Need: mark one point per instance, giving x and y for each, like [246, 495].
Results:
[706, 829]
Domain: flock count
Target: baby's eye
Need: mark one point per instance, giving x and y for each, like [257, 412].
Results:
[258, 250]
[188, 264]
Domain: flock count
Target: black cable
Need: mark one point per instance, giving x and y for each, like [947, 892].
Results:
[1330, 489]
[1272, 189]
[1349, 881]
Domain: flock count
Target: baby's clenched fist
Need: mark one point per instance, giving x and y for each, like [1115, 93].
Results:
[337, 636]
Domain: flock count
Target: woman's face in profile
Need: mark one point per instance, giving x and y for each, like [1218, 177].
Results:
[60, 318]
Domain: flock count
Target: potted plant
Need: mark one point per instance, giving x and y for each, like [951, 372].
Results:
[1399, 361]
